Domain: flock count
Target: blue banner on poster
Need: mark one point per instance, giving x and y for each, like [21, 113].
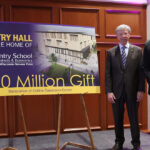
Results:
[38, 59]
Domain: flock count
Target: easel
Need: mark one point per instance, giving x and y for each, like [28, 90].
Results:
[58, 128]
[24, 127]
[87, 122]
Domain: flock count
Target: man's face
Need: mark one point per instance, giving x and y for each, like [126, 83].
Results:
[123, 36]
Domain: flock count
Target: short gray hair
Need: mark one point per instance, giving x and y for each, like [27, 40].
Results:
[123, 27]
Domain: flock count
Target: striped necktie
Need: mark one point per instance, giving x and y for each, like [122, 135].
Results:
[123, 55]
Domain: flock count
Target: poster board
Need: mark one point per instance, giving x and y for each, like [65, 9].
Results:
[39, 59]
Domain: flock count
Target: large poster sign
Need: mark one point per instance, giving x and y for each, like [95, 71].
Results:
[38, 59]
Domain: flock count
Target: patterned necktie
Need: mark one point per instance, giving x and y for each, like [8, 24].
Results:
[123, 55]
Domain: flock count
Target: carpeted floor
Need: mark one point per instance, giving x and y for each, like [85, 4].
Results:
[103, 140]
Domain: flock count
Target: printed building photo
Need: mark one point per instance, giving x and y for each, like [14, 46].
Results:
[70, 52]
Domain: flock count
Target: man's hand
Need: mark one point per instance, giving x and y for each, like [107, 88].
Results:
[139, 96]
[111, 97]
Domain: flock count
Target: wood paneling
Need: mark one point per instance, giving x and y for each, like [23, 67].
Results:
[1, 13]
[3, 117]
[81, 17]
[3, 100]
[109, 114]
[122, 17]
[41, 111]
[31, 14]
[73, 111]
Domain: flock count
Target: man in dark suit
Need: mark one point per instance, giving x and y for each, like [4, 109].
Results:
[146, 62]
[125, 84]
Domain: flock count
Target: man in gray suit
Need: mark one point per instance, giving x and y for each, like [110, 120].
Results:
[125, 84]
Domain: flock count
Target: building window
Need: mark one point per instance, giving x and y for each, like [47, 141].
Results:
[58, 42]
[66, 44]
[59, 35]
[62, 51]
[53, 35]
[65, 36]
[81, 45]
[73, 37]
[49, 42]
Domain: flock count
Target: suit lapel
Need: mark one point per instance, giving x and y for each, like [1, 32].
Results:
[130, 53]
[118, 56]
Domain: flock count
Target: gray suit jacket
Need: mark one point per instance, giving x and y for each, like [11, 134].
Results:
[131, 79]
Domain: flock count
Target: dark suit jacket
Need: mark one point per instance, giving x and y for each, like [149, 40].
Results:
[131, 78]
[146, 62]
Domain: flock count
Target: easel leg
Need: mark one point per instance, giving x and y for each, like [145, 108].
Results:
[87, 121]
[59, 121]
[23, 122]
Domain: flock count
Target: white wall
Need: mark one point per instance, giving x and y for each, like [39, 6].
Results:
[148, 37]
